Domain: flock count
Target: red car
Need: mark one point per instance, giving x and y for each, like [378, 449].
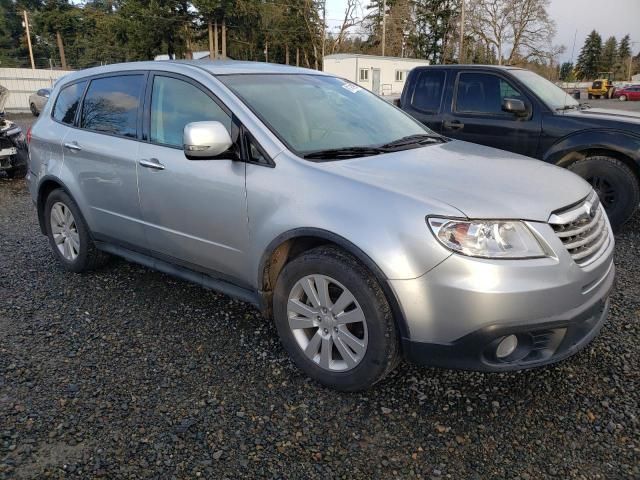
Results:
[630, 92]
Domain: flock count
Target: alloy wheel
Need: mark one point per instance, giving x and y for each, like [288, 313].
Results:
[64, 231]
[327, 323]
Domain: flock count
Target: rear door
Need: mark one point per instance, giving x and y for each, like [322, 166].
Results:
[194, 210]
[476, 114]
[424, 100]
[102, 155]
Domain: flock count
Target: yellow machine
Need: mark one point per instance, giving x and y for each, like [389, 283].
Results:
[602, 86]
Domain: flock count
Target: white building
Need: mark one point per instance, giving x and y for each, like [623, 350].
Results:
[381, 75]
[636, 78]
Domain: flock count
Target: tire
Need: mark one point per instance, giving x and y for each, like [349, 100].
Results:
[590, 97]
[616, 184]
[381, 353]
[623, 98]
[34, 110]
[87, 257]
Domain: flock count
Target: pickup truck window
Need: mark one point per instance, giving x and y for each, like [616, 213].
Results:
[483, 93]
[427, 94]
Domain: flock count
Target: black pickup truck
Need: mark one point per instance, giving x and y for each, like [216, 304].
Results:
[517, 110]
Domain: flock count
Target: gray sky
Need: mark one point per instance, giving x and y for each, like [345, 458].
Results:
[612, 17]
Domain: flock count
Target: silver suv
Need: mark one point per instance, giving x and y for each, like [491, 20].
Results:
[361, 233]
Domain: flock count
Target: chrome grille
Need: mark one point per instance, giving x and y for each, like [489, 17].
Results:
[583, 229]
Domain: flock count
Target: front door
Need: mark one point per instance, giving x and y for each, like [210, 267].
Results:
[194, 210]
[476, 115]
[375, 81]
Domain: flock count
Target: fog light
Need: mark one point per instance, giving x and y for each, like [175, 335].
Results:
[506, 346]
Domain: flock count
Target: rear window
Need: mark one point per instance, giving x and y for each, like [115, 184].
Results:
[67, 103]
[111, 105]
[428, 91]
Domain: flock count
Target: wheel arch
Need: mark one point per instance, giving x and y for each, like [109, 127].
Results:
[293, 243]
[47, 185]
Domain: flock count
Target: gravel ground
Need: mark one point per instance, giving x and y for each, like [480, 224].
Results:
[129, 373]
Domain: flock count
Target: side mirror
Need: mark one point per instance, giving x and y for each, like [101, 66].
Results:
[205, 140]
[396, 102]
[515, 106]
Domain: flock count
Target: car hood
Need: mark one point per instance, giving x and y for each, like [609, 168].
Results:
[631, 119]
[480, 182]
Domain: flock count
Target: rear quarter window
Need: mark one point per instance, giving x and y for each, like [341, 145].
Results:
[67, 103]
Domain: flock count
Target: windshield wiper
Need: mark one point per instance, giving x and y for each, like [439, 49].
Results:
[419, 139]
[339, 153]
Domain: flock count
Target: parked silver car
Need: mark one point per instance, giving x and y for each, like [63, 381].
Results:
[38, 100]
[361, 233]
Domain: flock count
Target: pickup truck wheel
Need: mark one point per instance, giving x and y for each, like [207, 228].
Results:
[334, 320]
[615, 183]
[69, 236]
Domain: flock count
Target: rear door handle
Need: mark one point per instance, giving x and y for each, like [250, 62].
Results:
[153, 163]
[73, 146]
[454, 125]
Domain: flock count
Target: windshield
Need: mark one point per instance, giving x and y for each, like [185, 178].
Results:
[312, 113]
[547, 91]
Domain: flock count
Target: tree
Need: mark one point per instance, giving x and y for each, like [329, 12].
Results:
[519, 30]
[566, 72]
[435, 25]
[609, 55]
[622, 64]
[589, 59]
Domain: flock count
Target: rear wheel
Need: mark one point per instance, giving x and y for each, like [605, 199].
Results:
[590, 97]
[615, 183]
[34, 110]
[69, 236]
[334, 320]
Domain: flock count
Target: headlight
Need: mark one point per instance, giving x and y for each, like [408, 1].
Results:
[487, 238]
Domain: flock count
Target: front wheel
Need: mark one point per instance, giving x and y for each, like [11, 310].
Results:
[334, 320]
[623, 98]
[34, 110]
[616, 186]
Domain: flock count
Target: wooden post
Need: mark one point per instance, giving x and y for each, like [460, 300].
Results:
[266, 51]
[212, 54]
[215, 38]
[286, 54]
[63, 58]
[384, 25]
[297, 56]
[462, 56]
[224, 39]
[26, 26]
[189, 53]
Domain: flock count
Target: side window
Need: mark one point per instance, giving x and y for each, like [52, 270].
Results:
[428, 91]
[399, 75]
[174, 103]
[364, 74]
[254, 152]
[111, 105]
[67, 103]
[483, 93]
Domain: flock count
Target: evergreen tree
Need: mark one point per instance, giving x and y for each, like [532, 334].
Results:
[566, 72]
[621, 67]
[609, 55]
[589, 58]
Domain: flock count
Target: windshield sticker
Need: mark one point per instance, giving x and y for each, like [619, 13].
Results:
[351, 87]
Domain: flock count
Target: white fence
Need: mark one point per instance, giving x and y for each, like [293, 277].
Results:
[22, 82]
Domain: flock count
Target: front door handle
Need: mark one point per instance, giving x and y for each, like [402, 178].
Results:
[152, 163]
[454, 125]
[73, 146]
